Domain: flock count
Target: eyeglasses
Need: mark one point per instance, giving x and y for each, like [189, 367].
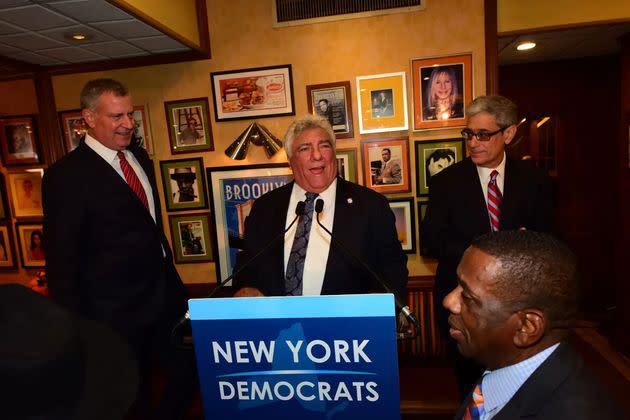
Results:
[468, 134]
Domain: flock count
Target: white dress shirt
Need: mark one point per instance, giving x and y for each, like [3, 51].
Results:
[319, 241]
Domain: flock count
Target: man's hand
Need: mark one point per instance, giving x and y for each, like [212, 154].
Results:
[248, 292]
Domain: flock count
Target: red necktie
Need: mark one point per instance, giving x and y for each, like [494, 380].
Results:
[494, 201]
[132, 179]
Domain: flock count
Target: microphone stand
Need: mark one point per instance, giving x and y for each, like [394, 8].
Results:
[299, 211]
[319, 206]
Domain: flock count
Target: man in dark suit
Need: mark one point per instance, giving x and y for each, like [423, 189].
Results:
[106, 253]
[358, 217]
[458, 208]
[512, 311]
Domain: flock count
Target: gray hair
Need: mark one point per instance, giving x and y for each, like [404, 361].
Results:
[504, 111]
[96, 87]
[304, 123]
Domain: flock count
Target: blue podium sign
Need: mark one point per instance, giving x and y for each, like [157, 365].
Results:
[302, 357]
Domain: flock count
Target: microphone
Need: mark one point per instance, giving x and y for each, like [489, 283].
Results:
[299, 211]
[319, 206]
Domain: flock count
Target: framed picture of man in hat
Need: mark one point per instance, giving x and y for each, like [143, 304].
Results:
[184, 184]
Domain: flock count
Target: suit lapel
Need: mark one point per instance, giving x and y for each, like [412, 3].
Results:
[341, 227]
[471, 192]
[509, 208]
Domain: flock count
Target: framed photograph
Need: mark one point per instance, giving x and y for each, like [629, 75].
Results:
[253, 93]
[184, 184]
[189, 127]
[26, 193]
[386, 165]
[8, 259]
[4, 202]
[142, 129]
[74, 127]
[432, 157]
[347, 164]
[382, 100]
[18, 141]
[442, 87]
[191, 237]
[233, 190]
[333, 101]
[31, 239]
[405, 214]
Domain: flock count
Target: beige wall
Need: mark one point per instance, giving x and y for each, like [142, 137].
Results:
[242, 37]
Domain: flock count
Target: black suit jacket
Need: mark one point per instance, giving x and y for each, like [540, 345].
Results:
[561, 388]
[104, 251]
[364, 223]
[457, 212]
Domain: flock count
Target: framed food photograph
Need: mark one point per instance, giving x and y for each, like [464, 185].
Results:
[18, 141]
[442, 87]
[142, 128]
[189, 127]
[184, 184]
[333, 101]
[26, 193]
[233, 190]
[253, 93]
[386, 165]
[31, 244]
[434, 156]
[347, 164]
[4, 202]
[8, 260]
[405, 214]
[382, 100]
[190, 234]
[74, 128]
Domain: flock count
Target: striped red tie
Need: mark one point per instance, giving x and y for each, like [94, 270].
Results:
[494, 201]
[132, 179]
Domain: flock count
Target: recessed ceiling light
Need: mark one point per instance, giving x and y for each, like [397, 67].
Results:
[527, 45]
[77, 36]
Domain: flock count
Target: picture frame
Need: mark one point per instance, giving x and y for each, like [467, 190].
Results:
[405, 213]
[433, 156]
[347, 164]
[74, 127]
[190, 235]
[382, 103]
[8, 260]
[26, 193]
[31, 250]
[334, 102]
[142, 129]
[189, 128]
[184, 184]
[390, 177]
[5, 212]
[259, 92]
[442, 88]
[19, 143]
[232, 191]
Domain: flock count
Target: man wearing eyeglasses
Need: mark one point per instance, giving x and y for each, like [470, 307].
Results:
[485, 192]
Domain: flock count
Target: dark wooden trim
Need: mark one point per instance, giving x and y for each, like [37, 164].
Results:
[492, 47]
[51, 141]
[204, 28]
[420, 282]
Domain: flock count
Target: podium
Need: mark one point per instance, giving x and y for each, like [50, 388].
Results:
[302, 357]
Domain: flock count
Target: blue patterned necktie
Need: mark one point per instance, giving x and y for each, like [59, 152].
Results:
[475, 409]
[295, 265]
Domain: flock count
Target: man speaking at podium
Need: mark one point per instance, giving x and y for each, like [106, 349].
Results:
[307, 262]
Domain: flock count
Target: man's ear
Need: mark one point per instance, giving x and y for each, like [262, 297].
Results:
[509, 133]
[531, 327]
[89, 117]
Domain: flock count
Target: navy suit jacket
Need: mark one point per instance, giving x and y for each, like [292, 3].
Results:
[457, 212]
[561, 388]
[104, 251]
[364, 223]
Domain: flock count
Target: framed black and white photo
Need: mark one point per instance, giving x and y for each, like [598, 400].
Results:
[434, 156]
[333, 101]
[184, 184]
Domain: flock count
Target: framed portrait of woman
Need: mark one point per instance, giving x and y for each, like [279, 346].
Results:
[442, 87]
[31, 243]
[26, 193]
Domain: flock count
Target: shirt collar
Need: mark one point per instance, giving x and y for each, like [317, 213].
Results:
[325, 195]
[484, 173]
[105, 152]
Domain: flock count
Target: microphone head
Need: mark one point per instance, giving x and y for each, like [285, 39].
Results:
[319, 205]
[299, 209]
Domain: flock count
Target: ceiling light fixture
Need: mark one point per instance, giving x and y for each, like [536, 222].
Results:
[77, 36]
[524, 46]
